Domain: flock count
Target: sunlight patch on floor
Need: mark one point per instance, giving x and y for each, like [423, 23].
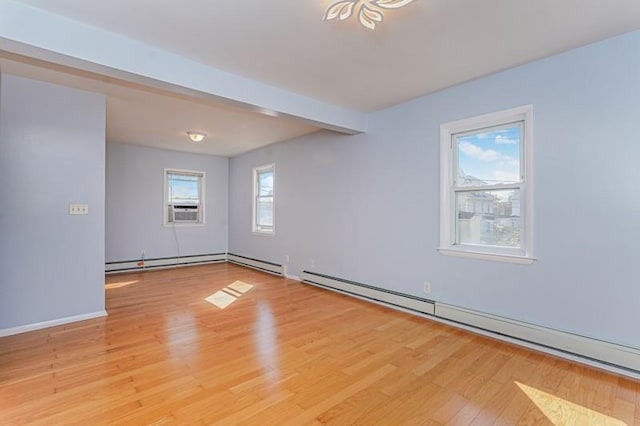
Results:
[240, 286]
[111, 286]
[221, 299]
[562, 412]
[232, 292]
[228, 295]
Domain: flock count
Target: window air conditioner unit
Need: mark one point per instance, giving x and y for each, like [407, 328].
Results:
[184, 214]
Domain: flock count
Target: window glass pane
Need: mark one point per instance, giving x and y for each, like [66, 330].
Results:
[265, 183]
[183, 189]
[488, 218]
[489, 156]
[264, 216]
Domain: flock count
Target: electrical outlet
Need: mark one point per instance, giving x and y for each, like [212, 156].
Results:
[143, 253]
[286, 258]
[78, 208]
[427, 287]
[313, 264]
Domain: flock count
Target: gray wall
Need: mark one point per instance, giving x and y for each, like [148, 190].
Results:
[366, 207]
[52, 153]
[134, 215]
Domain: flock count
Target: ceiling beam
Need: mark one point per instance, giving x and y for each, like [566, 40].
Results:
[32, 32]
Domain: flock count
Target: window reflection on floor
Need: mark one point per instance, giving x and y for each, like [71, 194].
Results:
[183, 336]
[266, 342]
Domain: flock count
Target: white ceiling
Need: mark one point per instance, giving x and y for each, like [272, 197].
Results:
[427, 46]
[145, 116]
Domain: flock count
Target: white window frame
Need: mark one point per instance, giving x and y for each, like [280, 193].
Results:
[254, 222]
[165, 203]
[448, 166]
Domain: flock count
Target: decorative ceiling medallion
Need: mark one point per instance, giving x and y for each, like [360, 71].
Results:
[370, 12]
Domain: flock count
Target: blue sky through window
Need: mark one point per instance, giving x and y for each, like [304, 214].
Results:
[265, 180]
[491, 155]
[183, 188]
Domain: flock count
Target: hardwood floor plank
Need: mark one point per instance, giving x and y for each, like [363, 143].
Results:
[449, 409]
[331, 400]
[478, 395]
[624, 411]
[353, 408]
[284, 353]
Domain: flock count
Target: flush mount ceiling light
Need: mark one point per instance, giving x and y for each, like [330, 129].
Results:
[370, 12]
[196, 136]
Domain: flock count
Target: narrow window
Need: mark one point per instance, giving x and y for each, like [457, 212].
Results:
[263, 199]
[183, 197]
[486, 202]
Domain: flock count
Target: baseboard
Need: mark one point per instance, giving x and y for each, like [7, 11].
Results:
[163, 262]
[604, 355]
[261, 265]
[609, 356]
[170, 262]
[293, 277]
[46, 324]
[374, 294]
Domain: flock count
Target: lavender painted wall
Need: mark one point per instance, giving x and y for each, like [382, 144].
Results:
[134, 215]
[52, 153]
[366, 207]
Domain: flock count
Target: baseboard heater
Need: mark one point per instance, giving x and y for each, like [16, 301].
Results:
[589, 349]
[163, 262]
[261, 265]
[606, 355]
[375, 294]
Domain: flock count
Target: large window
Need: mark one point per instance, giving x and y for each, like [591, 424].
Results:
[183, 197]
[263, 200]
[486, 203]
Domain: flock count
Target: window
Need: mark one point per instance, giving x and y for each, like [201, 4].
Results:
[183, 197]
[263, 199]
[486, 198]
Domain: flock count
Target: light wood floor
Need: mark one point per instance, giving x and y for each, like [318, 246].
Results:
[285, 353]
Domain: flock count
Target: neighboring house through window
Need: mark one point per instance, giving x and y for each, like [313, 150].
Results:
[486, 203]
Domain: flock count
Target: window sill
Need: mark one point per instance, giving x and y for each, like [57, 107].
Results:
[182, 225]
[263, 234]
[495, 257]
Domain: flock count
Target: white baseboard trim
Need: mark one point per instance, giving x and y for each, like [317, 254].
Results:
[539, 348]
[615, 358]
[293, 277]
[289, 276]
[164, 262]
[601, 354]
[373, 294]
[46, 324]
[261, 265]
[609, 356]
